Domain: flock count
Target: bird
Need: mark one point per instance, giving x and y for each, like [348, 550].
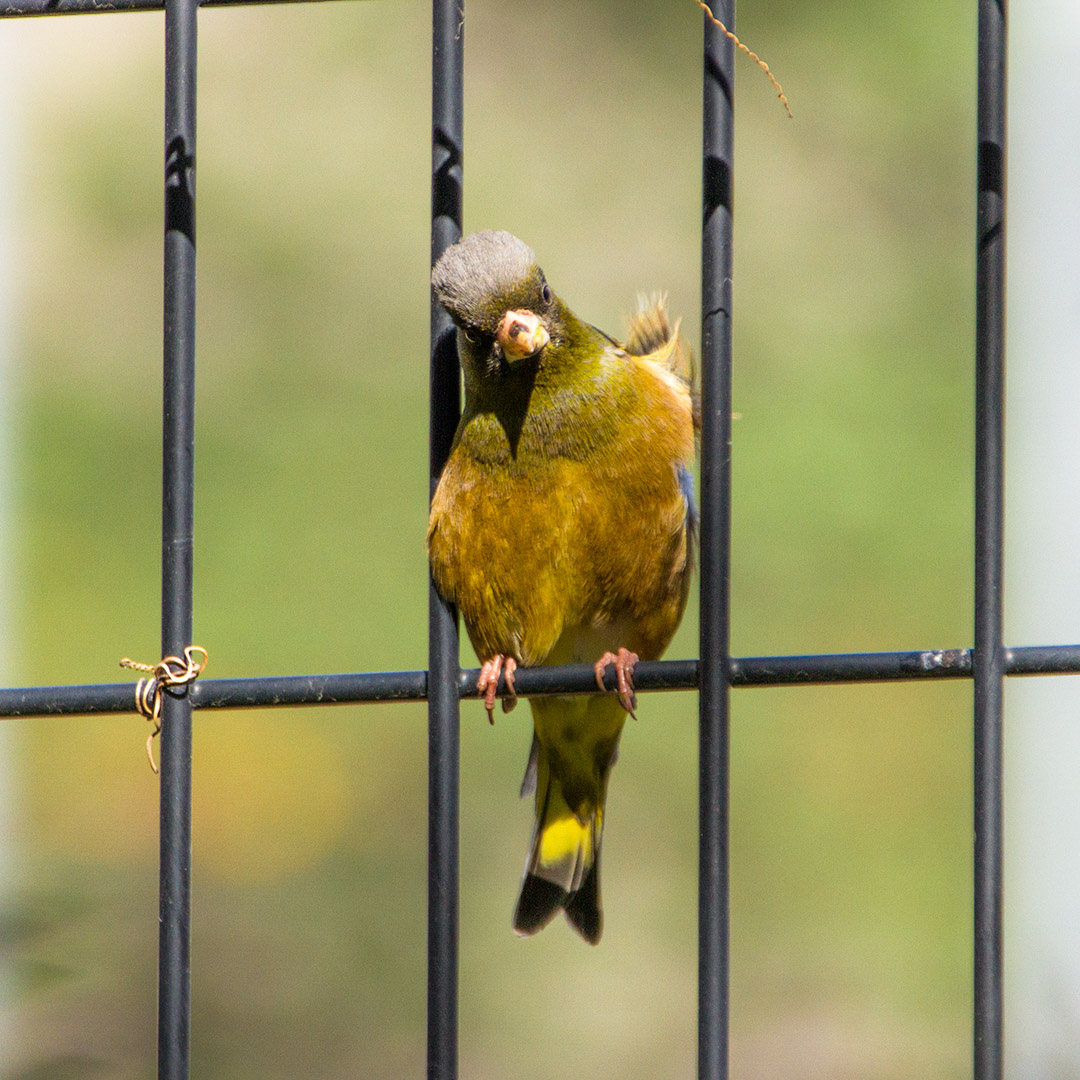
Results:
[562, 527]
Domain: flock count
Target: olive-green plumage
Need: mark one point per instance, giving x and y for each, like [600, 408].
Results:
[561, 527]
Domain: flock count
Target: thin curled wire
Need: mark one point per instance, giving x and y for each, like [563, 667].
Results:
[172, 671]
[753, 55]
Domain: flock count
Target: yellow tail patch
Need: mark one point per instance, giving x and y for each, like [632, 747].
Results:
[563, 837]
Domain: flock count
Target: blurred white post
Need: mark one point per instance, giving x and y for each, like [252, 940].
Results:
[1042, 817]
[7, 288]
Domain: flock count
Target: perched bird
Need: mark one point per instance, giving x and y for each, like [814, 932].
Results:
[562, 528]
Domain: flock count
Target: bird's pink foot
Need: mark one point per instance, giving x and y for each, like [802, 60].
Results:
[624, 662]
[488, 683]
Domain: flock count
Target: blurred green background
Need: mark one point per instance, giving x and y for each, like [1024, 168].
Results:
[850, 830]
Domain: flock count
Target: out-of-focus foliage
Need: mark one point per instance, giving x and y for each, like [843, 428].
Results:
[852, 466]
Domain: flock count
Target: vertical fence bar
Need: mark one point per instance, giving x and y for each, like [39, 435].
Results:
[989, 656]
[717, 167]
[448, 47]
[178, 485]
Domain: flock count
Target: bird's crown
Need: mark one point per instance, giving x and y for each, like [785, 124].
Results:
[482, 275]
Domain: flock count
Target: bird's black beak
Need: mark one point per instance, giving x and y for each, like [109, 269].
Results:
[521, 334]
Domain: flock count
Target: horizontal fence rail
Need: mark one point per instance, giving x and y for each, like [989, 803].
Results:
[90, 7]
[655, 675]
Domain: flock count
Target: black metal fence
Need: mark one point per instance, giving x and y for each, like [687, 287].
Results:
[444, 683]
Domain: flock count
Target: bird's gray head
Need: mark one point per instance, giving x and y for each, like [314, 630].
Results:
[483, 276]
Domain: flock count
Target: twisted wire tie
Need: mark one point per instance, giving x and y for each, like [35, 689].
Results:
[749, 52]
[169, 672]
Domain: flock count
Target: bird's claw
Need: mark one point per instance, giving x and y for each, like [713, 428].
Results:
[624, 662]
[488, 683]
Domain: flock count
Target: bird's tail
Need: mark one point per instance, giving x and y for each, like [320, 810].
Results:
[563, 871]
[563, 868]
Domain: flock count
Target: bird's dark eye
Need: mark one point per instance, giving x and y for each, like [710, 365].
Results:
[545, 293]
[470, 337]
